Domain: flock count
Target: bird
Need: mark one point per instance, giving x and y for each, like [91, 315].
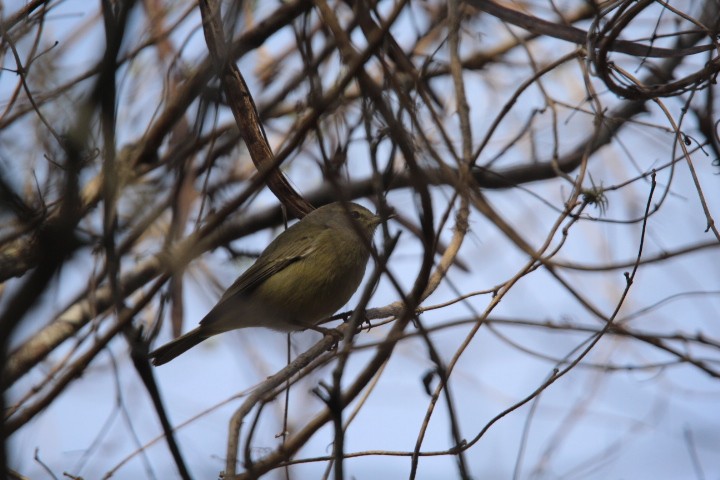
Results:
[302, 277]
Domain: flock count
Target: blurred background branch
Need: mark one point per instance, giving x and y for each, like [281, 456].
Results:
[516, 141]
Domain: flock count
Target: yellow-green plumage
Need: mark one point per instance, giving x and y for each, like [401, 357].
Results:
[306, 274]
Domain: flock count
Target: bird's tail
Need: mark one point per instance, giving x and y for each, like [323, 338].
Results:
[177, 347]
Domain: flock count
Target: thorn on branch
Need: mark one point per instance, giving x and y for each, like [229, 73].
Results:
[322, 391]
[427, 379]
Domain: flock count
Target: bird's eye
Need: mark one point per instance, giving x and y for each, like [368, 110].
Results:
[355, 214]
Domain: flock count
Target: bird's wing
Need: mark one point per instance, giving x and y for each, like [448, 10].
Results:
[276, 257]
[263, 268]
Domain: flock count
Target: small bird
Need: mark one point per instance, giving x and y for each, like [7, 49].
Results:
[305, 275]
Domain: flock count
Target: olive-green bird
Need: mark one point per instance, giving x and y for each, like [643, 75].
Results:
[305, 275]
